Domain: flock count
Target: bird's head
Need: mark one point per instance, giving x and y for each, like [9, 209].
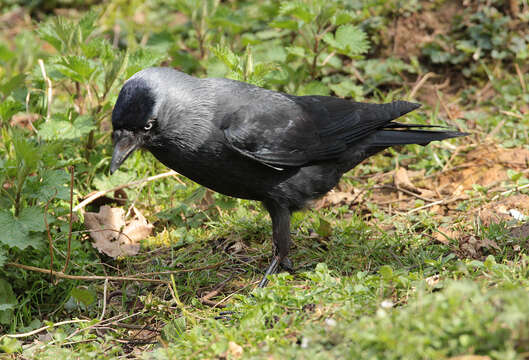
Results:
[134, 119]
[158, 106]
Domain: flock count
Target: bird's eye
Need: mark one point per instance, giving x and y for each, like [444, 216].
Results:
[149, 125]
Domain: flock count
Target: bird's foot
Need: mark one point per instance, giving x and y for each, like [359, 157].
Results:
[225, 315]
[273, 268]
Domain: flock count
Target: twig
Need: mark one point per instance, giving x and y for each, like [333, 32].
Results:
[179, 304]
[448, 112]
[452, 157]
[122, 186]
[135, 327]
[107, 323]
[510, 113]
[49, 89]
[50, 240]
[168, 272]
[328, 58]
[36, 331]
[494, 131]
[420, 83]
[398, 188]
[439, 202]
[514, 190]
[61, 275]
[72, 170]
[105, 287]
[206, 299]
[520, 77]
[28, 97]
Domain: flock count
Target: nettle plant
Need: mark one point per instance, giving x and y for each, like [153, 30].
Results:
[478, 36]
[70, 94]
[303, 47]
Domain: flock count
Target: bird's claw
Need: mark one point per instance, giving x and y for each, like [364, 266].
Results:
[224, 315]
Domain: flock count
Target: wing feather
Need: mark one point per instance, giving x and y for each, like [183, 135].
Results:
[292, 131]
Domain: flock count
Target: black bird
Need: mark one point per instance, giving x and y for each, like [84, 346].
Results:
[248, 142]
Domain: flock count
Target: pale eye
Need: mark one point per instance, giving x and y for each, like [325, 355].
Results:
[149, 125]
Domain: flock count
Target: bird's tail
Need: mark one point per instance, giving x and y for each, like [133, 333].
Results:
[387, 138]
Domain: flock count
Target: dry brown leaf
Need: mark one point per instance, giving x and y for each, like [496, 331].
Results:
[444, 234]
[504, 210]
[337, 197]
[520, 232]
[402, 181]
[234, 350]
[112, 235]
[472, 247]
[432, 280]
[488, 243]
[470, 357]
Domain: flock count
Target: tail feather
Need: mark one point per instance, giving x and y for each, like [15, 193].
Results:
[386, 138]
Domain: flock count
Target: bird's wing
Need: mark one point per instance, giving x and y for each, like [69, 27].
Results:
[284, 131]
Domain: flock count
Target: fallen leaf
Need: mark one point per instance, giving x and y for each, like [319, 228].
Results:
[473, 247]
[444, 234]
[112, 235]
[488, 243]
[337, 197]
[511, 208]
[432, 280]
[402, 181]
[234, 349]
[470, 357]
[520, 232]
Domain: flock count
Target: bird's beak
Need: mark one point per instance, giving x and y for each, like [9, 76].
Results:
[124, 144]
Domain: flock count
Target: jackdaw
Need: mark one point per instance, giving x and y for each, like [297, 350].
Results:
[252, 143]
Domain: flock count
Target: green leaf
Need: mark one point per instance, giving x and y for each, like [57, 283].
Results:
[8, 108]
[224, 54]
[347, 88]
[348, 40]
[85, 296]
[27, 153]
[314, 88]
[16, 231]
[32, 219]
[197, 196]
[10, 345]
[59, 33]
[97, 47]
[343, 17]
[285, 24]
[296, 51]
[117, 68]
[64, 130]
[7, 86]
[6, 54]
[77, 68]
[174, 329]
[143, 58]
[386, 271]
[298, 9]
[3, 257]
[8, 301]
[87, 24]
[49, 184]
[324, 228]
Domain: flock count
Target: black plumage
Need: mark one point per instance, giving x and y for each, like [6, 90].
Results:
[248, 142]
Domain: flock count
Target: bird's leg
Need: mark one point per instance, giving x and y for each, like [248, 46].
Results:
[281, 237]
